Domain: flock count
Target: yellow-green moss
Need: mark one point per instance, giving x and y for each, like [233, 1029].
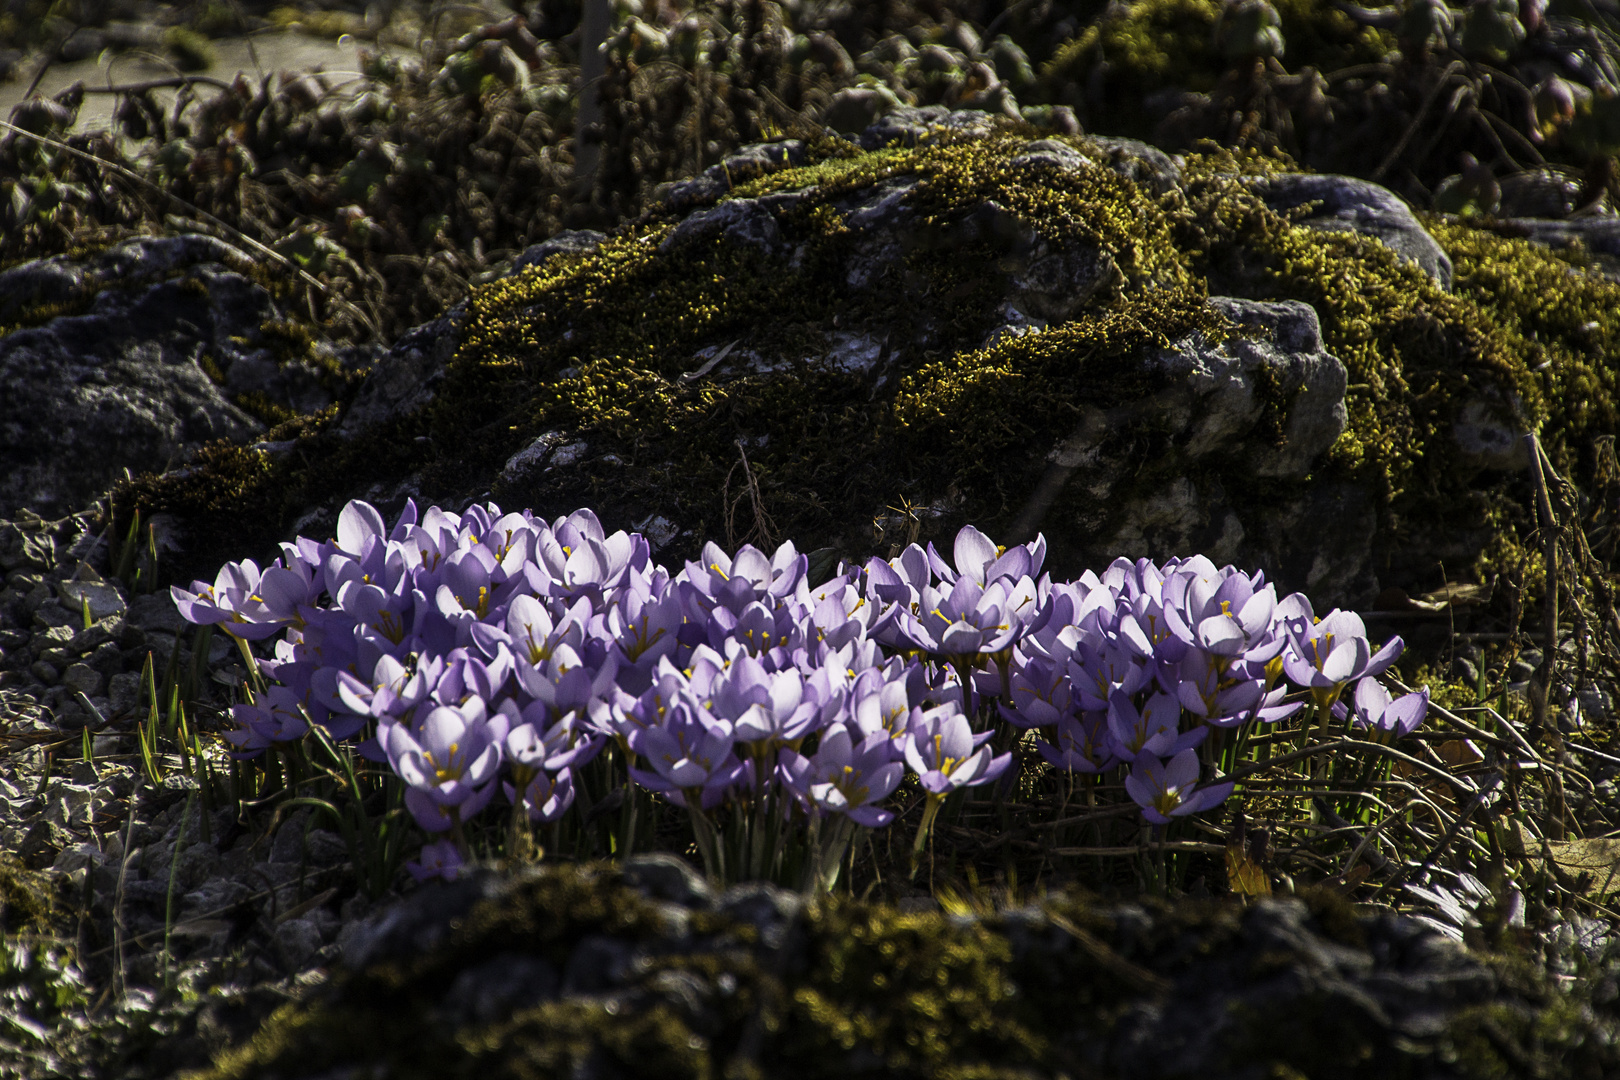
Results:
[1558, 320]
[1513, 335]
[27, 900]
[622, 375]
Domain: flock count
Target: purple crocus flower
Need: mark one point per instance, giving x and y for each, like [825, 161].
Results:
[768, 632]
[1223, 613]
[448, 764]
[689, 751]
[360, 528]
[899, 581]
[385, 616]
[882, 703]
[1383, 718]
[1041, 693]
[546, 797]
[643, 626]
[582, 561]
[1081, 744]
[536, 629]
[466, 592]
[1325, 655]
[962, 621]
[756, 576]
[842, 777]
[1203, 688]
[839, 615]
[1099, 668]
[278, 716]
[244, 601]
[1166, 789]
[945, 753]
[760, 705]
[534, 743]
[978, 558]
[395, 690]
[438, 860]
[1154, 729]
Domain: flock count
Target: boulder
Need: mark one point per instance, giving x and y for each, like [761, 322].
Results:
[567, 242]
[1598, 235]
[404, 380]
[133, 359]
[598, 971]
[751, 162]
[1539, 193]
[1139, 161]
[973, 325]
[908, 125]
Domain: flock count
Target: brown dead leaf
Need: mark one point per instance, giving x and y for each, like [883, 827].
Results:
[1458, 594]
[1594, 864]
[1459, 753]
[1588, 866]
[1449, 596]
[1244, 876]
[200, 928]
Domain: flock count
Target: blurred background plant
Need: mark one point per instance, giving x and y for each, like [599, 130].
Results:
[453, 146]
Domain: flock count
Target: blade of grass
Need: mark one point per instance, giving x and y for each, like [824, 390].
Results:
[174, 872]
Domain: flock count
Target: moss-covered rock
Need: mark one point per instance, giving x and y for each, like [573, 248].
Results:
[601, 972]
[871, 344]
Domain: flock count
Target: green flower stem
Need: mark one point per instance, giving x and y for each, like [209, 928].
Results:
[924, 832]
[708, 842]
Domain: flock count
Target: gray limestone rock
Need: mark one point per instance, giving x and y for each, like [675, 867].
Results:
[1044, 280]
[743, 222]
[1598, 234]
[909, 125]
[759, 159]
[134, 362]
[1345, 203]
[1268, 401]
[1173, 989]
[405, 379]
[1136, 160]
[1539, 193]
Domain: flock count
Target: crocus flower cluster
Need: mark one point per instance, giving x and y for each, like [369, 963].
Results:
[487, 657]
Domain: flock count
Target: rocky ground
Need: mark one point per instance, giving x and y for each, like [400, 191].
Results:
[182, 925]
